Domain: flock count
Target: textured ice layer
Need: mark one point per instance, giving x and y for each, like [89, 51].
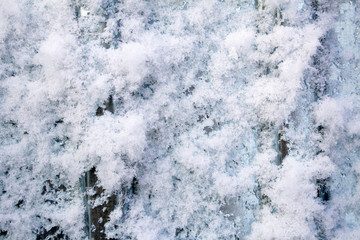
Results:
[206, 119]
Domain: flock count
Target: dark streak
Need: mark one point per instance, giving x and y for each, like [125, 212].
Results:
[283, 149]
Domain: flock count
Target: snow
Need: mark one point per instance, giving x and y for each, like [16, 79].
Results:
[196, 119]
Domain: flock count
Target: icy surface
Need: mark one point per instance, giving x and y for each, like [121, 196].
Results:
[179, 119]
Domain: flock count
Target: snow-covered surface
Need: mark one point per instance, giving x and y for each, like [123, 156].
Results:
[203, 119]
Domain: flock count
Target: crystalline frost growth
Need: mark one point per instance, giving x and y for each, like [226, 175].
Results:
[179, 119]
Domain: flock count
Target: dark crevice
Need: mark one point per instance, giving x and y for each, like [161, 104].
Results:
[209, 129]
[147, 89]
[99, 111]
[178, 231]
[321, 63]
[175, 181]
[315, 9]
[320, 129]
[20, 203]
[51, 191]
[189, 91]
[3, 233]
[108, 106]
[127, 199]
[259, 5]
[262, 198]
[283, 148]
[61, 140]
[12, 123]
[54, 233]
[96, 216]
[323, 190]
[60, 121]
[134, 186]
[278, 17]
[50, 187]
